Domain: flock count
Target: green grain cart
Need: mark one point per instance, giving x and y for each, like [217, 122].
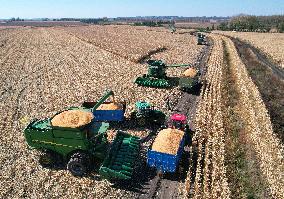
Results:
[190, 84]
[81, 147]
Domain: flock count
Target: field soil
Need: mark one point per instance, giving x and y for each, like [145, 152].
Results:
[270, 81]
[44, 70]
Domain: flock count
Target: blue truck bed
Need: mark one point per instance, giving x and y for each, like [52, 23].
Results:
[106, 115]
[165, 162]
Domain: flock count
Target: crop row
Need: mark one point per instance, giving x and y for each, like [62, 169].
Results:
[258, 127]
[136, 43]
[270, 43]
[210, 177]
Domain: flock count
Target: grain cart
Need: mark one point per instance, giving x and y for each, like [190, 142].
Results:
[156, 76]
[167, 148]
[105, 111]
[145, 114]
[80, 146]
[190, 82]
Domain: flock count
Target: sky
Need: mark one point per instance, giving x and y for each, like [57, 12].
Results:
[121, 8]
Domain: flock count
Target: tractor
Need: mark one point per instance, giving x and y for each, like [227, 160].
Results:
[200, 39]
[145, 114]
[157, 76]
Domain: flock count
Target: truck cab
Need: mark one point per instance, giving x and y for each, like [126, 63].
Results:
[178, 121]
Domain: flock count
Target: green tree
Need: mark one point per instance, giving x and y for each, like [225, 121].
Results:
[223, 26]
[281, 27]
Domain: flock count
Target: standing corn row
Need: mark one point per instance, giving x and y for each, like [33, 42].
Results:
[210, 179]
[258, 126]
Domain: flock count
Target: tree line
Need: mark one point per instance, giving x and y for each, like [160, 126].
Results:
[251, 23]
[152, 23]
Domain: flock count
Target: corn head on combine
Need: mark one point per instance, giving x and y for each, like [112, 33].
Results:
[157, 76]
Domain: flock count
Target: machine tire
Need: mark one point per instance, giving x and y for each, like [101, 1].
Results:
[47, 159]
[78, 164]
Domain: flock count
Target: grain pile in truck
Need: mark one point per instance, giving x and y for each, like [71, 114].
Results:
[110, 106]
[190, 72]
[72, 118]
[168, 141]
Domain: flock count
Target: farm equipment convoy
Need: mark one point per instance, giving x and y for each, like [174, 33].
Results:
[83, 145]
[166, 154]
[156, 76]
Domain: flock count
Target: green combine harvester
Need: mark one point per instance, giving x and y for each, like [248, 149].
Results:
[157, 76]
[82, 146]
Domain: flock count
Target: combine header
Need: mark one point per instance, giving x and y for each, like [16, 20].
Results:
[157, 76]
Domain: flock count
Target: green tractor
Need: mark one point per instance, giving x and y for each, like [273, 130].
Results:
[156, 76]
[146, 114]
[200, 39]
[82, 146]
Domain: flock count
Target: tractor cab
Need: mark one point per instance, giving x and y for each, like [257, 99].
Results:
[156, 69]
[145, 113]
[143, 108]
[178, 121]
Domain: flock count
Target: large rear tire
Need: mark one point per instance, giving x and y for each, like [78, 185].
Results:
[78, 164]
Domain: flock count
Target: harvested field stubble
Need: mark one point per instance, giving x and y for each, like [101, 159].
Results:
[136, 43]
[270, 43]
[210, 177]
[44, 70]
[259, 132]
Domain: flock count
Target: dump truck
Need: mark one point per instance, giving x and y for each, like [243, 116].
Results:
[165, 162]
[145, 113]
[83, 145]
[157, 76]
